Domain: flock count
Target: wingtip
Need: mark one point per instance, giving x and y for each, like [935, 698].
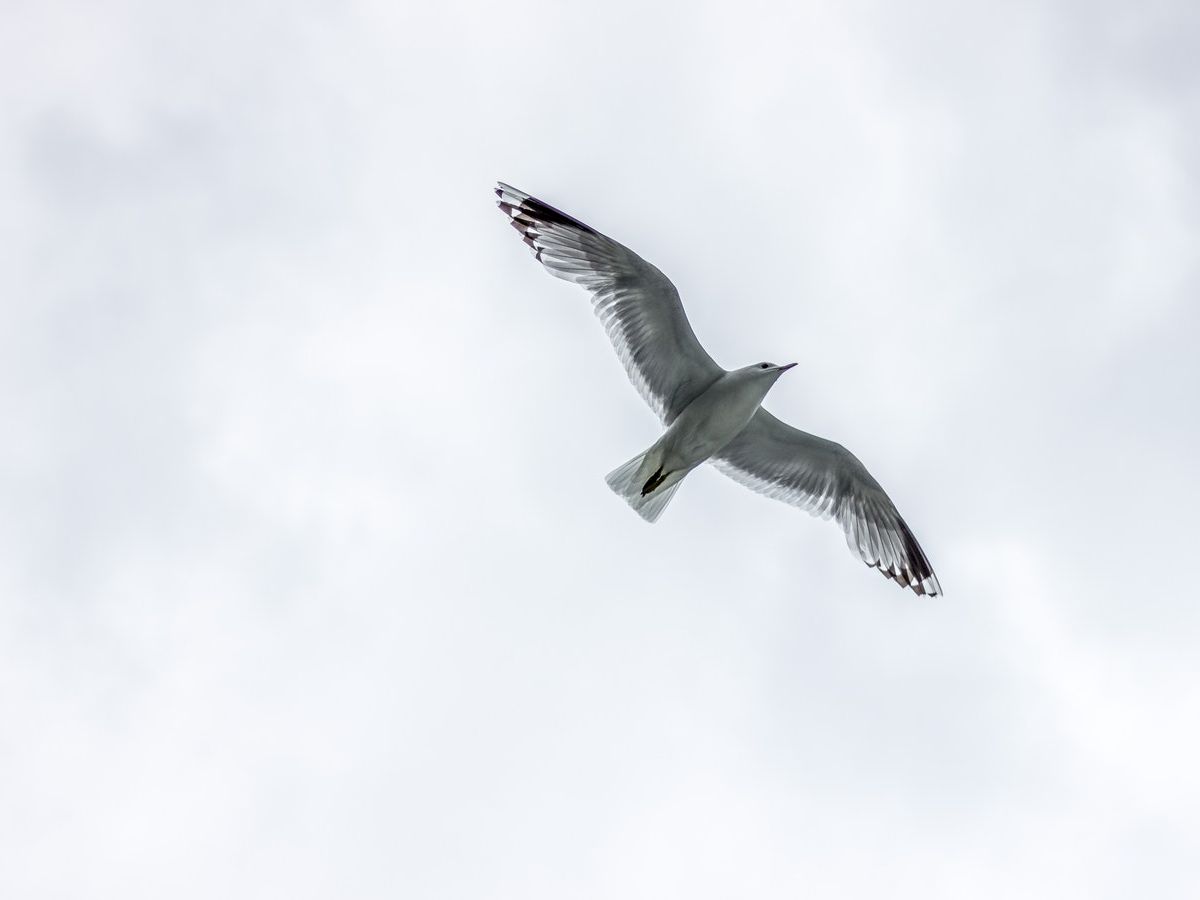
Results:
[926, 585]
[503, 188]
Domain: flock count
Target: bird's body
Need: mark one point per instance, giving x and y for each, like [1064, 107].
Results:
[711, 414]
[706, 425]
[716, 417]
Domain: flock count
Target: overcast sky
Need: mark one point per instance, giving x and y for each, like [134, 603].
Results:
[310, 584]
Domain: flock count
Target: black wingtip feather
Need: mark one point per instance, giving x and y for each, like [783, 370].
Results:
[544, 212]
[916, 573]
[920, 569]
[538, 210]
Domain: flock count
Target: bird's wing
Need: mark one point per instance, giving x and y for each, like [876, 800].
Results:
[826, 479]
[637, 304]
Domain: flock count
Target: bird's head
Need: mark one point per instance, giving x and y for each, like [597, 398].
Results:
[758, 378]
[764, 370]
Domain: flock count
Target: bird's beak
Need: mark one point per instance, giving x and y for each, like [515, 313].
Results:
[783, 369]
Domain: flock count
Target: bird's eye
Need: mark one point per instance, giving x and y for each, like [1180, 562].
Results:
[763, 366]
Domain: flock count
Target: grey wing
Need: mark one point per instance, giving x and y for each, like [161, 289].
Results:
[637, 304]
[826, 479]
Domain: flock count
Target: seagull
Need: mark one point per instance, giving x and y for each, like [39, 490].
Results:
[711, 414]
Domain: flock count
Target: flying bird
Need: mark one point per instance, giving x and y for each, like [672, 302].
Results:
[710, 413]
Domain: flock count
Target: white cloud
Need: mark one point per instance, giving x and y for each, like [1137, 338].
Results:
[311, 586]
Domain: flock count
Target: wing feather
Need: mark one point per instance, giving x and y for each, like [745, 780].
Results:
[826, 479]
[638, 306]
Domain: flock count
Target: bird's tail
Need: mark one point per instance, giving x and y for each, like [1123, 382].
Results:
[642, 484]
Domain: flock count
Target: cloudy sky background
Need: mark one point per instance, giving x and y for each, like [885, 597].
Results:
[310, 586]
